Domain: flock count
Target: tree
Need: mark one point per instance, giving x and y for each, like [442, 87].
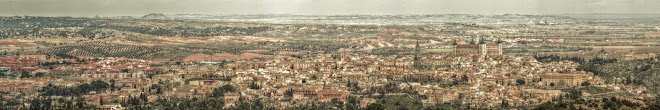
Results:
[144, 97]
[505, 103]
[39, 74]
[112, 84]
[157, 87]
[289, 92]
[586, 83]
[352, 103]
[355, 86]
[228, 88]
[349, 83]
[80, 103]
[254, 86]
[101, 100]
[574, 94]
[375, 106]
[40, 103]
[520, 81]
[217, 92]
[465, 78]
[337, 103]
[68, 104]
[99, 85]
[25, 74]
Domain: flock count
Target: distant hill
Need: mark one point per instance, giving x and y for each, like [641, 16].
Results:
[155, 16]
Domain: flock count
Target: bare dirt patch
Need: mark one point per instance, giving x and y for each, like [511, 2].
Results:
[217, 39]
[654, 49]
[222, 56]
[11, 42]
[256, 51]
[17, 43]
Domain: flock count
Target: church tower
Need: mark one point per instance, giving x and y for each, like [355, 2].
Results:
[454, 45]
[417, 63]
[482, 46]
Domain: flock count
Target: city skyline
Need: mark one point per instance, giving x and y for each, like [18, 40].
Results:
[329, 54]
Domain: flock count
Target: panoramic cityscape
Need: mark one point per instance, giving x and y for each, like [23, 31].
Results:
[329, 59]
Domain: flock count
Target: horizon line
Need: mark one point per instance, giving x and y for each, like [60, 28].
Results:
[335, 14]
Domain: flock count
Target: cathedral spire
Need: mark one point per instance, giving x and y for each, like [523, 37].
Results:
[417, 49]
[417, 60]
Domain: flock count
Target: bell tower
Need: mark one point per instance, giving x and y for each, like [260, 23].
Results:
[417, 60]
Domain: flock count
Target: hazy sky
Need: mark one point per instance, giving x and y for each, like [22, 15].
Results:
[321, 7]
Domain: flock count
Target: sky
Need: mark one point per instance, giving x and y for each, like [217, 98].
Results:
[88, 8]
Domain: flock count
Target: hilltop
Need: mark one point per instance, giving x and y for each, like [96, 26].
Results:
[155, 16]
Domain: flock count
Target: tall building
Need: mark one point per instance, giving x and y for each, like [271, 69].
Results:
[492, 49]
[417, 63]
[467, 49]
[555, 79]
[482, 48]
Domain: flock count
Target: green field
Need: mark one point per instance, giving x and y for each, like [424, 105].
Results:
[401, 102]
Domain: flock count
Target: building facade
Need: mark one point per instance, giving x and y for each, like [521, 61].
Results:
[483, 49]
[564, 80]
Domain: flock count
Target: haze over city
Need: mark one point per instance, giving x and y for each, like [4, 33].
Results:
[89, 8]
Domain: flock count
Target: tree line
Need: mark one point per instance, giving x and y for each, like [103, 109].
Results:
[51, 90]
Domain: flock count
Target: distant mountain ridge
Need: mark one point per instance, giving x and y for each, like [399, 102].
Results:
[155, 16]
